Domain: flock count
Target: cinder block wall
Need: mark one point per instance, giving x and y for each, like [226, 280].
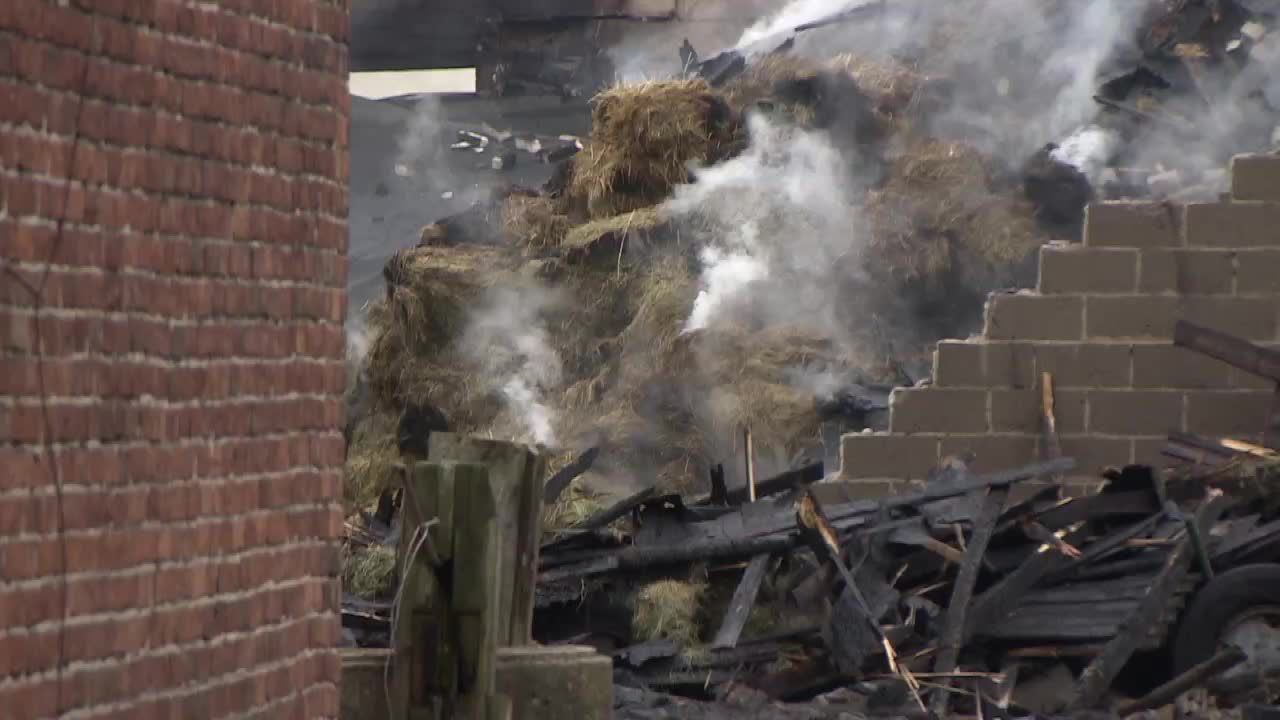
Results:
[172, 272]
[1101, 322]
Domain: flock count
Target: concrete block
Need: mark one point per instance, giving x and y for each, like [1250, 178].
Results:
[1010, 364]
[957, 363]
[1150, 451]
[1020, 411]
[1135, 412]
[1167, 366]
[1255, 177]
[884, 455]
[1084, 365]
[1252, 318]
[1258, 272]
[937, 410]
[1075, 269]
[1187, 272]
[1092, 454]
[994, 452]
[1130, 317]
[1024, 316]
[1238, 413]
[1132, 225]
[1233, 225]
[555, 683]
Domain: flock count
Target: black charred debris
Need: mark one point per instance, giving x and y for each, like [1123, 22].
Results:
[982, 596]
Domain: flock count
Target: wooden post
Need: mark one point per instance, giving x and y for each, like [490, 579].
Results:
[517, 475]
[423, 674]
[749, 449]
[476, 587]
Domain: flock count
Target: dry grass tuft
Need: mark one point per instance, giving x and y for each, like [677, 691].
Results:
[371, 462]
[669, 609]
[938, 212]
[370, 572]
[532, 221]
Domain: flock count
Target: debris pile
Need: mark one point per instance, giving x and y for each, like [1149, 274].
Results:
[974, 596]
[749, 583]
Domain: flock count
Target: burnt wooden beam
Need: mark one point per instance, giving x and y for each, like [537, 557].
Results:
[617, 510]
[1098, 676]
[744, 598]
[953, 623]
[1232, 350]
[637, 558]
[994, 604]
[561, 480]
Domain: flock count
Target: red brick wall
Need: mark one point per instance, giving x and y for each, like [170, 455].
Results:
[172, 268]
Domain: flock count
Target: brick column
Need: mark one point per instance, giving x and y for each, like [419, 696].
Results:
[172, 270]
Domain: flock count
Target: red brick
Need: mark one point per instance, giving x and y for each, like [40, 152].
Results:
[155, 292]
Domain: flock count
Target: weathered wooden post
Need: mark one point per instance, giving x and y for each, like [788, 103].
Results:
[447, 622]
[517, 474]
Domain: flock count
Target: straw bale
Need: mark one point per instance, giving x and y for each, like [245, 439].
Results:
[644, 139]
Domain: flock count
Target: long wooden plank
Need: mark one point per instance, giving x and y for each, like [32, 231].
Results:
[1098, 676]
[744, 598]
[1232, 350]
[953, 622]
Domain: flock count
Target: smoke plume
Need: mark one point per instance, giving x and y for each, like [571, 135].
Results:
[507, 339]
[779, 223]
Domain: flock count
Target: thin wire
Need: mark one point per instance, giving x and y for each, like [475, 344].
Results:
[416, 543]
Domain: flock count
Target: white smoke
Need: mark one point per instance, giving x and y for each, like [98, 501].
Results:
[1088, 150]
[507, 338]
[791, 16]
[780, 220]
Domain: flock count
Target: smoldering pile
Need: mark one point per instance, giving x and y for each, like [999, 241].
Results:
[1198, 87]
[934, 223]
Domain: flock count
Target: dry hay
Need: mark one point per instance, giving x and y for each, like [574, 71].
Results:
[606, 238]
[644, 139]
[370, 572]
[670, 610]
[372, 459]
[575, 504]
[896, 89]
[414, 356]
[759, 81]
[532, 221]
[938, 213]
